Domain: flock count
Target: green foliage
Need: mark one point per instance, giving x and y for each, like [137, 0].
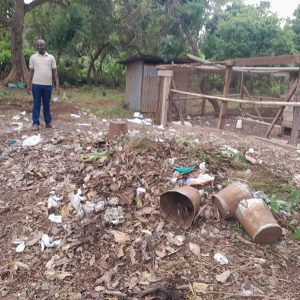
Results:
[71, 72]
[61, 27]
[5, 52]
[289, 204]
[296, 234]
[245, 31]
[296, 28]
[96, 156]
[113, 73]
[176, 23]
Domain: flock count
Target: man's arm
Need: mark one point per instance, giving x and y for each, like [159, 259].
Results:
[55, 76]
[29, 80]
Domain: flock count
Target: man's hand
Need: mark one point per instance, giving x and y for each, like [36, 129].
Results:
[28, 89]
[57, 89]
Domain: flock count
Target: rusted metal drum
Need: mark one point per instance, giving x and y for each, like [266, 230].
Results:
[228, 199]
[257, 219]
[180, 205]
[117, 128]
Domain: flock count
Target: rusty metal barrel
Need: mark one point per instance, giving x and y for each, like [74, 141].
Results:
[117, 128]
[258, 221]
[180, 205]
[228, 199]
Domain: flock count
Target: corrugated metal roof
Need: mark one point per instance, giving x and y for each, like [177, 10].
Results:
[155, 60]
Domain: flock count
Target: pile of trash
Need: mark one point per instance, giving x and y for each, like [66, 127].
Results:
[82, 218]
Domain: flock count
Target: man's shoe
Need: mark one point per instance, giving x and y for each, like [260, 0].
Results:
[35, 127]
[49, 126]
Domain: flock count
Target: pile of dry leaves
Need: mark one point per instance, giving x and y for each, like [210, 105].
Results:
[80, 219]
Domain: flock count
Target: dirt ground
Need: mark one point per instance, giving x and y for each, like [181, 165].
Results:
[113, 242]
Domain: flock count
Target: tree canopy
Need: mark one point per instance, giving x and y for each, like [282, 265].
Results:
[89, 37]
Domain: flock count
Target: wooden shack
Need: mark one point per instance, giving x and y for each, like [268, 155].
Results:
[141, 82]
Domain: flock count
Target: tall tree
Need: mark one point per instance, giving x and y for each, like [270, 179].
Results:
[63, 28]
[245, 31]
[296, 28]
[12, 13]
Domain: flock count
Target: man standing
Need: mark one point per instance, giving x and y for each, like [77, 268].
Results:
[42, 71]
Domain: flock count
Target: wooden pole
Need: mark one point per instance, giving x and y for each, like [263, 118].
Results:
[242, 88]
[281, 109]
[167, 77]
[296, 116]
[262, 103]
[224, 104]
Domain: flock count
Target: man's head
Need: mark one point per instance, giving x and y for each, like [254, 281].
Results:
[40, 46]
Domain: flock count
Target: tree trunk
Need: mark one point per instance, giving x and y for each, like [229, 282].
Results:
[19, 71]
[92, 62]
[91, 68]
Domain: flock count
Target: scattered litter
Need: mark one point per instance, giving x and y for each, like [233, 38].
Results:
[146, 122]
[200, 287]
[132, 133]
[54, 201]
[195, 249]
[251, 159]
[171, 161]
[88, 207]
[99, 206]
[185, 123]
[101, 156]
[19, 264]
[239, 124]
[114, 201]
[220, 258]
[185, 170]
[201, 180]
[16, 118]
[223, 277]
[55, 219]
[202, 167]
[56, 99]
[17, 126]
[158, 140]
[32, 141]
[180, 205]
[229, 151]
[75, 116]
[84, 124]
[138, 115]
[21, 247]
[265, 229]
[114, 215]
[76, 202]
[12, 142]
[247, 293]
[47, 242]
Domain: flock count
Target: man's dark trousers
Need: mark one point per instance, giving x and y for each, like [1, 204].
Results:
[41, 93]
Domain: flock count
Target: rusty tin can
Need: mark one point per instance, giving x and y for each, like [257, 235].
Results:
[180, 205]
[257, 219]
[117, 128]
[228, 199]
